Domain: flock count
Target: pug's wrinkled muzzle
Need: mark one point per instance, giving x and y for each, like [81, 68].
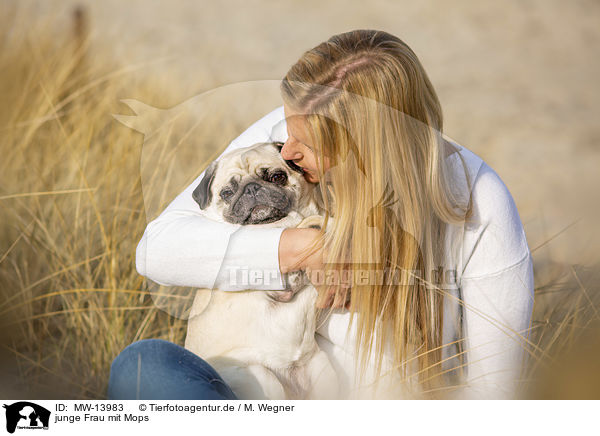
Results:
[258, 204]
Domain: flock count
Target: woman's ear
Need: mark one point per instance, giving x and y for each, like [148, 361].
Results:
[202, 194]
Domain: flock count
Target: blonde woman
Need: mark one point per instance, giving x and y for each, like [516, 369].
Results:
[438, 283]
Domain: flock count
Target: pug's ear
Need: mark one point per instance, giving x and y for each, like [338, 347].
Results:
[202, 194]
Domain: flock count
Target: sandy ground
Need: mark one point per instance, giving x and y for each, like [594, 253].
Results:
[517, 79]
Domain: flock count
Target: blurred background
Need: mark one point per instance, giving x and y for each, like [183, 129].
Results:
[518, 85]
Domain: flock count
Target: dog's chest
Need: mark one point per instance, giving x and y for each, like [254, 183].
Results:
[248, 327]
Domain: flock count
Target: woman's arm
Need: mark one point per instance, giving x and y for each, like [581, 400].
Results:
[497, 290]
[183, 248]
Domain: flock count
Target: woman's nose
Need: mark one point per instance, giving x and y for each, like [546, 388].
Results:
[290, 152]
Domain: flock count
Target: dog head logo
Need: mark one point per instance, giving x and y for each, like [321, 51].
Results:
[26, 415]
[179, 142]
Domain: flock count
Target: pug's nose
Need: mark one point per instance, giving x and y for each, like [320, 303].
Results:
[251, 189]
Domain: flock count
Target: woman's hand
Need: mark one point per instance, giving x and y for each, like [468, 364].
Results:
[294, 244]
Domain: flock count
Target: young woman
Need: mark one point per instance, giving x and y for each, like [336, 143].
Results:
[363, 121]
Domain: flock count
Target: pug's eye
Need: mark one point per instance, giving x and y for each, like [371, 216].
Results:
[278, 177]
[226, 194]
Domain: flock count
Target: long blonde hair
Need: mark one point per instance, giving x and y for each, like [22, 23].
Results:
[371, 109]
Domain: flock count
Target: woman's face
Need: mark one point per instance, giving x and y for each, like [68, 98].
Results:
[298, 148]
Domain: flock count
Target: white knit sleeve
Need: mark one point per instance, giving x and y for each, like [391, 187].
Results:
[183, 248]
[497, 291]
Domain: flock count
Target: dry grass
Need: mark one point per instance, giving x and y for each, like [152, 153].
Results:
[72, 212]
[565, 333]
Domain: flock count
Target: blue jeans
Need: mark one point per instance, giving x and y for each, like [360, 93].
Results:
[155, 369]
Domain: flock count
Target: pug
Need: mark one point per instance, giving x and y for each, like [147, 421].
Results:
[254, 185]
[262, 343]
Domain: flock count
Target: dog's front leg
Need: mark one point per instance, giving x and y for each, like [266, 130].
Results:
[252, 382]
[324, 384]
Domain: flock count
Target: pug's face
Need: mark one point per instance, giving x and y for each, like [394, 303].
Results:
[253, 185]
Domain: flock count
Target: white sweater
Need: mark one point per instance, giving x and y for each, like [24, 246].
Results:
[494, 274]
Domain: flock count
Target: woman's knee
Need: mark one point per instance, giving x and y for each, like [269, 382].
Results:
[126, 368]
[130, 357]
[158, 368]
